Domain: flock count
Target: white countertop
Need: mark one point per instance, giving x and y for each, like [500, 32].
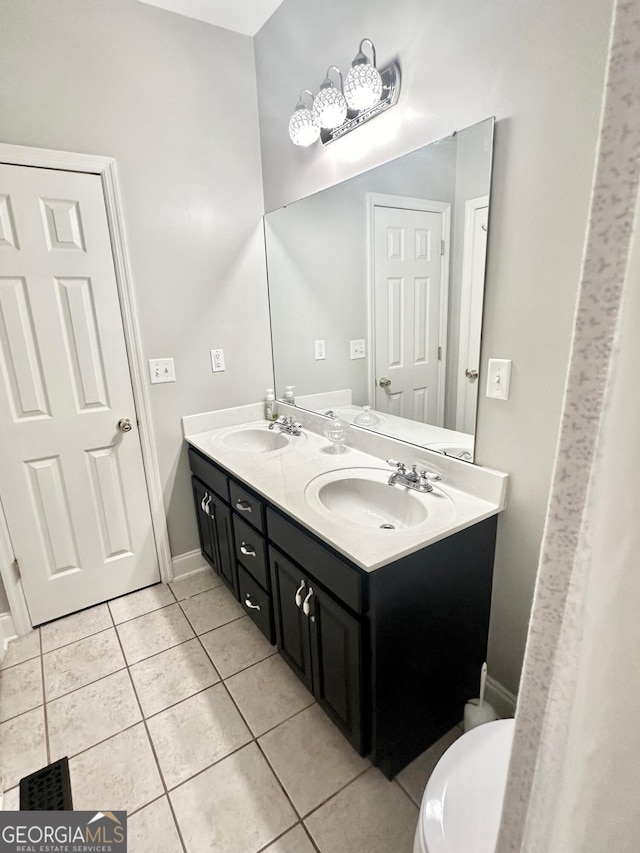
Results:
[281, 476]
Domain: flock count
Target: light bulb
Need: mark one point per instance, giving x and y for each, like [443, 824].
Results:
[362, 87]
[303, 126]
[329, 107]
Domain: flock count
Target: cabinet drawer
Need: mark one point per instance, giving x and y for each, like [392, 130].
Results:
[247, 506]
[343, 581]
[210, 475]
[251, 551]
[256, 603]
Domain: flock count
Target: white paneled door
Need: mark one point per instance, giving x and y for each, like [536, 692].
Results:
[407, 297]
[72, 481]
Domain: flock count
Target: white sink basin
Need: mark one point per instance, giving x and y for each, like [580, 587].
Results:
[363, 497]
[254, 438]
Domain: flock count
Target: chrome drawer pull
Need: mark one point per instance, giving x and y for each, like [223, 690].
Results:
[248, 550]
[306, 607]
[299, 594]
[243, 506]
[250, 605]
[203, 501]
[206, 507]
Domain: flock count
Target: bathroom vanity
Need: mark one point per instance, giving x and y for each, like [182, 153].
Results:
[386, 627]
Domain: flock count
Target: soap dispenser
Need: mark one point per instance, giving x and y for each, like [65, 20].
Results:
[288, 395]
[270, 406]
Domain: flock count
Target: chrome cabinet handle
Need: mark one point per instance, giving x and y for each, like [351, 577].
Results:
[125, 425]
[206, 506]
[384, 382]
[248, 550]
[299, 594]
[250, 604]
[203, 501]
[306, 606]
[471, 374]
[243, 506]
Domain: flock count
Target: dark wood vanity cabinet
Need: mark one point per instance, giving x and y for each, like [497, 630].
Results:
[392, 655]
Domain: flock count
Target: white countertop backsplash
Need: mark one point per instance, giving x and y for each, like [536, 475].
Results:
[282, 476]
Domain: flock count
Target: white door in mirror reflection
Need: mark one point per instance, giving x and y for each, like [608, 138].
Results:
[410, 273]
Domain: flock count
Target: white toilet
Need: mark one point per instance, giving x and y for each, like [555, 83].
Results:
[462, 803]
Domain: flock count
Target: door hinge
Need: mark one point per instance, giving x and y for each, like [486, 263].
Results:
[442, 247]
[16, 568]
[439, 353]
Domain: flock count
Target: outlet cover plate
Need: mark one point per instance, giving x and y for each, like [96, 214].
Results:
[161, 370]
[320, 351]
[358, 349]
[217, 361]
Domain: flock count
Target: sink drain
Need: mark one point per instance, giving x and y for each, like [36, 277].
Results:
[387, 527]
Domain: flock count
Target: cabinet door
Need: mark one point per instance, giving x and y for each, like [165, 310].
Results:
[336, 658]
[221, 518]
[205, 529]
[289, 589]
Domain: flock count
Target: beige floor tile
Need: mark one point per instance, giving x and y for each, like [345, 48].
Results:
[91, 714]
[195, 733]
[236, 806]
[21, 649]
[153, 830]
[155, 632]
[194, 584]
[295, 841]
[415, 776]
[268, 693]
[138, 603]
[20, 688]
[82, 662]
[236, 646]
[11, 800]
[371, 815]
[211, 609]
[171, 676]
[23, 746]
[119, 774]
[75, 627]
[311, 757]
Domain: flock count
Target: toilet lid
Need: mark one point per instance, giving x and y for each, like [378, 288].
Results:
[462, 802]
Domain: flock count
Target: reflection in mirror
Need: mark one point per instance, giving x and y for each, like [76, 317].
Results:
[376, 289]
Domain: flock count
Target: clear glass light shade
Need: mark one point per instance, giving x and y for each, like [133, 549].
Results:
[303, 127]
[363, 87]
[330, 107]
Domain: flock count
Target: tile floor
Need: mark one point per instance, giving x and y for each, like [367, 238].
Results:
[172, 706]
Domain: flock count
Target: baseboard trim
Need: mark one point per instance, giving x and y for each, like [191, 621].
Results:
[502, 699]
[7, 631]
[189, 563]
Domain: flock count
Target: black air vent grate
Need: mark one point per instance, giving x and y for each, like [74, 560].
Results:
[48, 789]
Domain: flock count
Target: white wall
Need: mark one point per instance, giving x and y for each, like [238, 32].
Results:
[538, 67]
[174, 101]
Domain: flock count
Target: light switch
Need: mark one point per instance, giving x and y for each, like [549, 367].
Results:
[161, 370]
[499, 378]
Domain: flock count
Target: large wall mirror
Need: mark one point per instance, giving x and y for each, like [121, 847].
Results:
[376, 289]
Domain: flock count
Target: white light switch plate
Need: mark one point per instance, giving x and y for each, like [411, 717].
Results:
[320, 351]
[161, 370]
[499, 378]
[357, 349]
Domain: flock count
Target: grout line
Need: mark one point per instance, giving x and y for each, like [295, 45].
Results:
[339, 791]
[153, 751]
[44, 703]
[310, 837]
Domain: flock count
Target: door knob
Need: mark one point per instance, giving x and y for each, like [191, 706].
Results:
[125, 425]
[471, 374]
[384, 382]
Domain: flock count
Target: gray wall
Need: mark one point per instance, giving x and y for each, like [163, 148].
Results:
[174, 101]
[538, 67]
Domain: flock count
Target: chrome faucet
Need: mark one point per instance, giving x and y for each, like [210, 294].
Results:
[421, 482]
[287, 425]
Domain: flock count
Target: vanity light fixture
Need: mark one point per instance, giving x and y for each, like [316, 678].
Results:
[334, 111]
[303, 125]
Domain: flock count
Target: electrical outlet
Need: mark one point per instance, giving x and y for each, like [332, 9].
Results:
[217, 360]
[499, 378]
[357, 349]
[320, 350]
[161, 370]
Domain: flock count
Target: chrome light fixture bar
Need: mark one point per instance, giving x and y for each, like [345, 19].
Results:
[336, 111]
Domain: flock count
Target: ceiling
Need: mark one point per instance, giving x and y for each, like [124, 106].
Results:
[241, 16]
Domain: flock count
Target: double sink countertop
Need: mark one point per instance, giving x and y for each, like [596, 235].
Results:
[289, 478]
